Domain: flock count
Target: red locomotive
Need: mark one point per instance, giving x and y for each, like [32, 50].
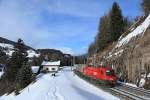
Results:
[101, 73]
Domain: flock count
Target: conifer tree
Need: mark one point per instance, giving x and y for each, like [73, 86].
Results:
[16, 61]
[3, 57]
[146, 6]
[116, 22]
[103, 37]
[24, 76]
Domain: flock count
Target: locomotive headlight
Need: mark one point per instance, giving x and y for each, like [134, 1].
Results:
[111, 79]
[95, 73]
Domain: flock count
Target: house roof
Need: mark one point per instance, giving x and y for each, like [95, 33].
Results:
[50, 63]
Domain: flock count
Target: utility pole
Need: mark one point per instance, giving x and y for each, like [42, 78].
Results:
[94, 60]
[94, 57]
[73, 62]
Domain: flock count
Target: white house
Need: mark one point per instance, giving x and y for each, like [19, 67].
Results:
[51, 66]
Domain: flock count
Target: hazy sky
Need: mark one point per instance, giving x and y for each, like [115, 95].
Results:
[68, 25]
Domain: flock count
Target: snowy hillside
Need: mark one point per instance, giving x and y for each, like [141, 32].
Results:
[9, 49]
[118, 50]
[65, 86]
[131, 53]
[139, 30]
[32, 53]
[4, 45]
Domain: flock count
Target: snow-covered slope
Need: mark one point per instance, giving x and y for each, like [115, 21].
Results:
[1, 73]
[139, 30]
[131, 53]
[4, 45]
[32, 54]
[119, 48]
[65, 86]
[9, 49]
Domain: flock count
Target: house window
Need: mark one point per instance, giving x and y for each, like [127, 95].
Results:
[47, 69]
[53, 69]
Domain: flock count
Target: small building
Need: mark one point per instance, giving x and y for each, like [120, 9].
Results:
[50, 66]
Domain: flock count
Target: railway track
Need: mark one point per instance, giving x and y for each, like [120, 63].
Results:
[136, 90]
[122, 91]
[131, 93]
[125, 95]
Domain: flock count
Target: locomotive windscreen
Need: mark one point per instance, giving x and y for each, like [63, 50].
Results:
[109, 72]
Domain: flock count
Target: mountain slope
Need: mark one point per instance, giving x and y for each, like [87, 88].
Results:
[8, 47]
[134, 32]
[6, 41]
[130, 55]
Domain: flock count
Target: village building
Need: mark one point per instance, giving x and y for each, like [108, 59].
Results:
[50, 66]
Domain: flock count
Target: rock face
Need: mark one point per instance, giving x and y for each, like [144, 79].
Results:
[133, 57]
[130, 55]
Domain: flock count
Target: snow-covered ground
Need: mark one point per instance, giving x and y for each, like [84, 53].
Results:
[1, 73]
[32, 54]
[35, 69]
[65, 86]
[4, 45]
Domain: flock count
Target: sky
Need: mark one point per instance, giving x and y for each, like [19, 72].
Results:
[67, 25]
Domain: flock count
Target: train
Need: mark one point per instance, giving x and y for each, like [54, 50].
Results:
[101, 73]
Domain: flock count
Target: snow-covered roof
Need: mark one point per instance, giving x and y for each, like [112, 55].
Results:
[50, 63]
[139, 30]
